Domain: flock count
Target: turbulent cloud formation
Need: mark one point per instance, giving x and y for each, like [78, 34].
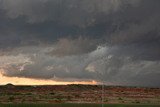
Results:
[74, 46]
[117, 41]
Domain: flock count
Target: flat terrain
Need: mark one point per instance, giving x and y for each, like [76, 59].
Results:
[74, 105]
[79, 94]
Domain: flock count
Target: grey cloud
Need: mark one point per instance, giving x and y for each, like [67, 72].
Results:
[145, 31]
[77, 39]
[48, 20]
[45, 67]
[99, 65]
[78, 46]
[42, 10]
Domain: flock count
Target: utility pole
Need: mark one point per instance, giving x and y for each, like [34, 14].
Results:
[102, 93]
[100, 75]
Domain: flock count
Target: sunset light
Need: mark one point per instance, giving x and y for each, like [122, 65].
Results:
[28, 81]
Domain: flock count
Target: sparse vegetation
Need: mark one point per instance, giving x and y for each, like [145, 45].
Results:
[78, 94]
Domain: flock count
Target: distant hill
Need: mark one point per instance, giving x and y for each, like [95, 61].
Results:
[9, 85]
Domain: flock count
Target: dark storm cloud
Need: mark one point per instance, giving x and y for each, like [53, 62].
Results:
[49, 20]
[120, 22]
[81, 39]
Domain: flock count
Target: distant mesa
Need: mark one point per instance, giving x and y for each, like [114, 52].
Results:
[9, 85]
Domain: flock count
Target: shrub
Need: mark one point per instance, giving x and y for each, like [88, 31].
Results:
[120, 98]
[11, 98]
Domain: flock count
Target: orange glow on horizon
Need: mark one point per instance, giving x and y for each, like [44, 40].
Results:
[28, 81]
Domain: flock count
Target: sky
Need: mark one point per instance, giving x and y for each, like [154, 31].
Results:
[80, 41]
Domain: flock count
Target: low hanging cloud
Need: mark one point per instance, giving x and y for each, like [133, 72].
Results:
[98, 65]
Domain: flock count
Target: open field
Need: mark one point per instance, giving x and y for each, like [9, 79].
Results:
[74, 105]
[78, 94]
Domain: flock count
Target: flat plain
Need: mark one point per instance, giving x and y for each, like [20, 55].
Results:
[78, 96]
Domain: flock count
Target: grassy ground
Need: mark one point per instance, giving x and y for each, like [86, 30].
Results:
[74, 105]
